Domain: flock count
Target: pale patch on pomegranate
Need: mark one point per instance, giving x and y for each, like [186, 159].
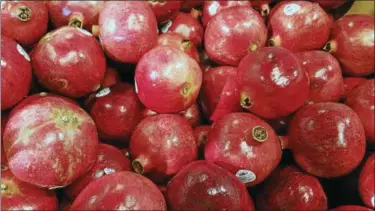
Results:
[184, 30]
[135, 22]
[212, 9]
[3, 63]
[110, 26]
[367, 37]
[51, 51]
[71, 57]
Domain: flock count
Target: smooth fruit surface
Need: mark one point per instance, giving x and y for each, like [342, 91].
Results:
[367, 182]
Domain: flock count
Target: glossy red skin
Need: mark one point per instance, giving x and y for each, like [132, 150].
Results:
[211, 8]
[329, 4]
[232, 146]
[62, 12]
[124, 190]
[327, 139]
[350, 83]
[188, 26]
[350, 208]
[109, 160]
[309, 25]
[352, 43]
[326, 81]
[111, 77]
[176, 40]
[162, 75]
[187, 5]
[290, 189]
[72, 66]
[15, 73]
[270, 76]
[361, 100]
[366, 182]
[4, 120]
[23, 196]
[123, 35]
[228, 45]
[201, 136]
[165, 10]
[54, 144]
[151, 141]
[202, 185]
[27, 32]
[117, 113]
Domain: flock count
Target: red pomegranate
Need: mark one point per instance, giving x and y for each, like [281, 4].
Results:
[299, 26]
[111, 77]
[352, 43]
[116, 112]
[49, 141]
[211, 8]
[350, 83]
[233, 33]
[366, 182]
[202, 185]
[18, 195]
[15, 73]
[128, 29]
[166, 74]
[244, 145]
[262, 6]
[176, 40]
[24, 21]
[267, 79]
[4, 120]
[327, 139]
[351, 208]
[82, 14]
[69, 61]
[330, 4]
[361, 100]
[120, 191]
[164, 10]
[161, 145]
[326, 82]
[109, 160]
[201, 136]
[290, 189]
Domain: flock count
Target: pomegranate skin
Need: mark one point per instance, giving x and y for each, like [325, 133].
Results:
[176, 40]
[24, 21]
[290, 189]
[266, 78]
[211, 8]
[361, 100]
[150, 146]
[350, 83]
[69, 61]
[109, 160]
[327, 139]
[4, 120]
[166, 74]
[350, 208]
[299, 26]
[165, 10]
[202, 185]
[18, 195]
[111, 77]
[127, 30]
[116, 112]
[241, 142]
[329, 4]
[366, 182]
[326, 81]
[245, 31]
[61, 130]
[125, 191]
[352, 43]
[15, 73]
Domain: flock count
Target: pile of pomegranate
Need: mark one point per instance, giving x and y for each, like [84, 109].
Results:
[186, 105]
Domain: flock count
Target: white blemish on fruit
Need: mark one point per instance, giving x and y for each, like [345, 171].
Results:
[123, 109]
[23, 52]
[351, 24]
[50, 138]
[71, 57]
[217, 190]
[278, 78]
[322, 73]
[110, 25]
[3, 63]
[225, 29]
[212, 9]
[135, 22]
[184, 30]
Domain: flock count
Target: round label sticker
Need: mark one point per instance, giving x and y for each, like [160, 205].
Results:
[290, 9]
[245, 176]
[103, 92]
[23, 52]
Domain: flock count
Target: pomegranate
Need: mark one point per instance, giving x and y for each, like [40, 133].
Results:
[352, 43]
[329, 4]
[262, 6]
[361, 100]
[120, 191]
[201, 136]
[166, 74]
[127, 30]
[24, 21]
[111, 77]
[299, 26]
[109, 160]
[15, 73]
[69, 61]
[211, 8]
[366, 182]
[49, 141]
[290, 189]
[176, 40]
[350, 208]
[165, 10]
[244, 145]
[187, 5]
[18, 195]
[161, 145]
[267, 78]
[350, 83]
[116, 112]
[232, 33]
[327, 139]
[202, 185]
[82, 14]
[4, 120]
[326, 82]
